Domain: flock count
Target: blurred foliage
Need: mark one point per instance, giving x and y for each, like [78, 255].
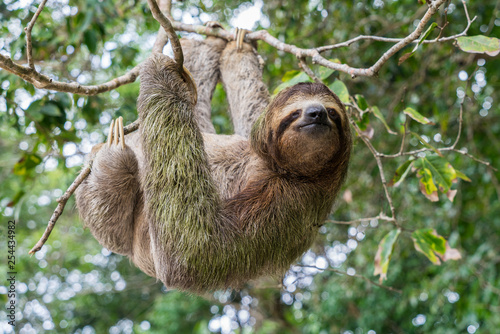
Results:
[75, 286]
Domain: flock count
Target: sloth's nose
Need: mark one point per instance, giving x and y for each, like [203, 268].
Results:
[316, 113]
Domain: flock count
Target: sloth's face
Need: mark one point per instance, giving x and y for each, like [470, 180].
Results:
[308, 131]
[305, 131]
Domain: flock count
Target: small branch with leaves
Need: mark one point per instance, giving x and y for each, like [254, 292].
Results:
[41, 81]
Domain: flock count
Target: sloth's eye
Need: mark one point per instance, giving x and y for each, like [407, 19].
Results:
[296, 113]
[334, 115]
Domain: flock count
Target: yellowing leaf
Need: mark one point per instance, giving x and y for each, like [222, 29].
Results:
[434, 246]
[26, 164]
[451, 194]
[384, 252]
[427, 186]
[401, 174]
[479, 44]
[435, 172]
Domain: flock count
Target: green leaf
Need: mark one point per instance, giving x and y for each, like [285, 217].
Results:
[325, 72]
[384, 252]
[289, 80]
[339, 88]
[16, 198]
[51, 109]
[401, 173]
[416, 116]
[361, 101]
[26, 164]
[425, 35]
[63, 99]
[479, 44]
[420, 41]
[380, 116]
[364, 122]
[434, 246]
[462, 176]
[90, 39]
[289, 75]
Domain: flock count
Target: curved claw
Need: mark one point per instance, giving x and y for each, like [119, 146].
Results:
[240, 37]
[190, 81]
[116, 133]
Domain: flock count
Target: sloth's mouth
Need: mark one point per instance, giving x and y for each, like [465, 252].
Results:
[314, 125]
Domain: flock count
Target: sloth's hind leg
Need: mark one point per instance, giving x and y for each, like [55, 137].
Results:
[107, 197]
[201, 58]
[241, 75]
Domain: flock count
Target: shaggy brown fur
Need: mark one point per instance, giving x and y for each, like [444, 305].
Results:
[203, 212]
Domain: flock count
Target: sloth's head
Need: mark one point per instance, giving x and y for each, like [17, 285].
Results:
[305, 131]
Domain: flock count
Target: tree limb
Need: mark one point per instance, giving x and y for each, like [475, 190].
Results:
[44, 82]
[337, 271]
[27, 30]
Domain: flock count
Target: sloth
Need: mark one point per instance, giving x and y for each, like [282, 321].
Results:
[201, 211]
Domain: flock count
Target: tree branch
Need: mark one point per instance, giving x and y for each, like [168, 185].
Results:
[438, 39]
[337, 271]
[44, 82]
[308, 71]
[27, 30]
[381, 216]
[380, 167]
[162, 38]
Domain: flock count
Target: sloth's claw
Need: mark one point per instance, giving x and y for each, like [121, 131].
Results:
[240, 37]
[110, 134]
[116, 133]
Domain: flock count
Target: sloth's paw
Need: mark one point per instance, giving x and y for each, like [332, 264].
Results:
[116, 134]
[240, 37]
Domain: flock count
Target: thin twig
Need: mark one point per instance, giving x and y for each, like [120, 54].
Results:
[337, 271]
[308, 71]
[42, 81]
[67, 194]
[381, 216]
[460, 123]
[27, 30]
[376, 155]
[460, 118]
[438, 39]
[162, 38]
[405, 129]
[169, 29]
[451, 148]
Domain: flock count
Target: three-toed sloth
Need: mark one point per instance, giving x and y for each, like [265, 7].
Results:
[202, 211]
